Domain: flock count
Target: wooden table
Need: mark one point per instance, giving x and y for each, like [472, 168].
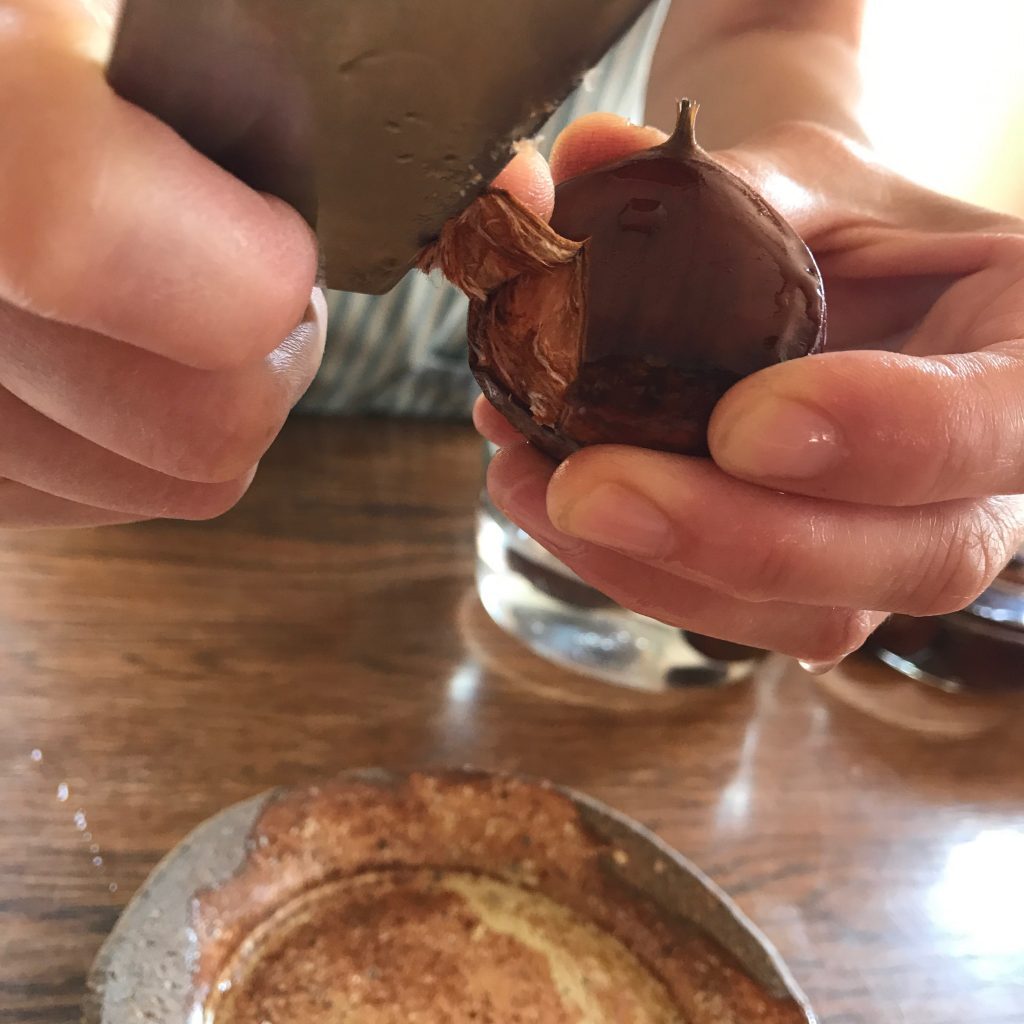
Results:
[151, 675]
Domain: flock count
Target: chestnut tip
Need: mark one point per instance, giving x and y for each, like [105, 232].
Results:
[683, 139]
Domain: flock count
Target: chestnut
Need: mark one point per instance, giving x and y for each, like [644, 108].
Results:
[661, 280]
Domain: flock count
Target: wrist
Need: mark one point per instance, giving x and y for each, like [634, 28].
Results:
[758, 78]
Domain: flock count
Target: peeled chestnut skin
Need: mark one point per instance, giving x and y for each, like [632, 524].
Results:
[681, 281]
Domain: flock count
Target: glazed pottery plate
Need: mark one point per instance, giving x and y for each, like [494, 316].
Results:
[444, 898]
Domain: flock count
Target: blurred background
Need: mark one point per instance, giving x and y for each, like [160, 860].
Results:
[944, 95]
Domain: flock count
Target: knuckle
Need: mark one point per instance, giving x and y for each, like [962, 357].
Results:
[946, 457]
[962, 561]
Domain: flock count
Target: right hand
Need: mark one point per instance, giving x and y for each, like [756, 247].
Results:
[144, 296]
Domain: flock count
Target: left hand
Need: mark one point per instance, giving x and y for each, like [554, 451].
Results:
[845, 486]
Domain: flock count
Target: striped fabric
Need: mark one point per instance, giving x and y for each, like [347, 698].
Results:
[404, 353]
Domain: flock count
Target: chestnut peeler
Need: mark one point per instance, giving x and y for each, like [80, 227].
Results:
[377, 119]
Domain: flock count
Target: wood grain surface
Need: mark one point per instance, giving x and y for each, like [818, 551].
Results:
[150, 675]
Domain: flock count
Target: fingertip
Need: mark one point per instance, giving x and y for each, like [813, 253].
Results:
[597, 139]
[517, 479]
[493, 426]
[528, 178]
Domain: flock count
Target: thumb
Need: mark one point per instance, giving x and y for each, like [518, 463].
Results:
[878, 428]
[528, 178]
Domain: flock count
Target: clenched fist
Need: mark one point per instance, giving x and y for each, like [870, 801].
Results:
[158, 318]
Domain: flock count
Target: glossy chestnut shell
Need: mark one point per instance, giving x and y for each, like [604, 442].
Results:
[661, 281]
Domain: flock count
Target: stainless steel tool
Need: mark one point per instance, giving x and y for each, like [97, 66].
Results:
[377, 119]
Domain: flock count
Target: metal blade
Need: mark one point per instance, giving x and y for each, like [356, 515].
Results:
[377, 119]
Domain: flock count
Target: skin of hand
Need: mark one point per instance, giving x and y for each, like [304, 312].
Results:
[158, 318]
[882, 476]
[755, 63]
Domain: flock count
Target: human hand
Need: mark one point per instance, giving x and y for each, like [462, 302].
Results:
[158, 319]
[867, 480]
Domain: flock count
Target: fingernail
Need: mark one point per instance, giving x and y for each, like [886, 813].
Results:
[316, 311]
[617, 517]
[779, 438]
[314, 321]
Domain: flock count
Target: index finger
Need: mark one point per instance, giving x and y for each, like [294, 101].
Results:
[113, 223]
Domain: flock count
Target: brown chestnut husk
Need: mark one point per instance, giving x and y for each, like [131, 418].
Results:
[661, 281]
